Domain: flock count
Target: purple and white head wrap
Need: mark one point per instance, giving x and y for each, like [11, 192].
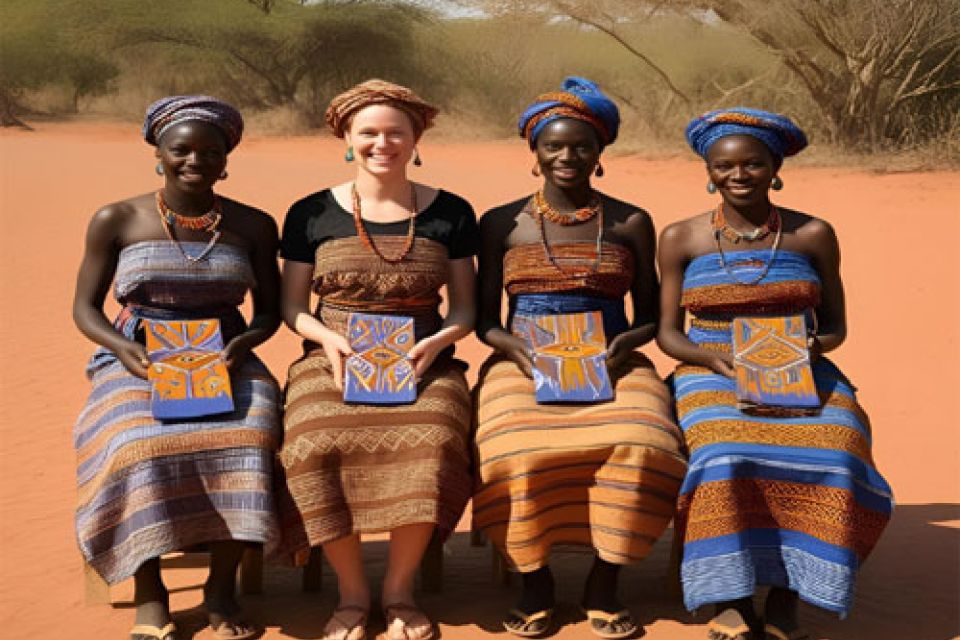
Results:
[172, 110]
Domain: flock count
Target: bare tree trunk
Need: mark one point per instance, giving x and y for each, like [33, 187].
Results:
[8, 109]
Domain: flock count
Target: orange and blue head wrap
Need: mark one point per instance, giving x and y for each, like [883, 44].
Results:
[779, 133]
[578, 98]
[172, 110]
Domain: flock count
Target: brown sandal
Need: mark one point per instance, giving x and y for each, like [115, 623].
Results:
[345, 626]
[397, 623]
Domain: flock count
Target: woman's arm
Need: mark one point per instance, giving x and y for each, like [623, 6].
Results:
[495, 226]
[461, 314]
[101, 251]
[265, 292]
[822, 244]
[295, 305]
[644, 290]
[671, 339]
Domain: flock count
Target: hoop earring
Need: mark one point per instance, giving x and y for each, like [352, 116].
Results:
[777, 183]
[224, 175]
[598, 171]
[348, 156]
[159, 168]
[535, 171]
[711, 188]
[417, 162]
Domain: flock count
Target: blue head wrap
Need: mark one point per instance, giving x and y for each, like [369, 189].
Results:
[578, 98]
[172, 110]
[779, 133]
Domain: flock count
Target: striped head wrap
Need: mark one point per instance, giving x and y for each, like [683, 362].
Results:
[578, 98]
[172, 110]
[374, 91]
[779, 133]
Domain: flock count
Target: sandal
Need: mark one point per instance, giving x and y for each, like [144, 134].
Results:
[227, 630]
[602, 622]
[397, 623]
[150, 632]
[345, 627]
[528, 625]
[774, 632]
[728, 625]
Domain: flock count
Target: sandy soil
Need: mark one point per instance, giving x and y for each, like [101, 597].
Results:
[899, 236]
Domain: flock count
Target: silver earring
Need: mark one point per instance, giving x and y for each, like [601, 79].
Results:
[776, 184]
[711, 188]
[159, 168]
[417, 162]
[224, 175]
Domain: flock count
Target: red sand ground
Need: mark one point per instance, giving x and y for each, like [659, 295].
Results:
[899, 236]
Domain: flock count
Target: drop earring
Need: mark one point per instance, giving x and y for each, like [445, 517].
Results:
[159, 168]
[224, 175]
[535, 171]
[598, 171]
[417, 162]
[777, 183]
[348, 156]
[711, 188]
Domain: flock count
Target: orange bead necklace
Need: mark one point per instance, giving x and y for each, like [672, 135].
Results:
[368, 241]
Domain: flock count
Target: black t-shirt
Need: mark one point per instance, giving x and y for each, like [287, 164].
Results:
[318, 217]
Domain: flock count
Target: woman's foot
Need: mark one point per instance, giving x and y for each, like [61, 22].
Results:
[225, 614]
[532, 615]
[780, 616]
[348, 622]
[406, 621]
[153, 620]
[607, 616]
[735, 620]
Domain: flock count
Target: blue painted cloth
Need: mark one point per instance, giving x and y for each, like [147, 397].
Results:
[540, 304]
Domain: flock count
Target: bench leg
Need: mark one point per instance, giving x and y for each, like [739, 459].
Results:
[96, 590]
[251, 570]
[313, 572]
[431, 566]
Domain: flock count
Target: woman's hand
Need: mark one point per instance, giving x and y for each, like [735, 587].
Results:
[518, 351]
[618, 352]
[133, 356]
[423, 354]
[336, 348]
[236, 352]
[815, 347]
[722, 363]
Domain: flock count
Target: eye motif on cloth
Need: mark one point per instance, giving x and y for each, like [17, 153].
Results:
[772, 364]
[569, 356]
[379, 371]
[187, 374]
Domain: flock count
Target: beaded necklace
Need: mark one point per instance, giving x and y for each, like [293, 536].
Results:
[580, 215]
[206, 222]
[537, 214]
[368, 241]
[718, 231]
[734, 236]
[167, 221]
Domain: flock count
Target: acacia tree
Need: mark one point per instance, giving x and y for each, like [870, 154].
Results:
[864, 62]
[877, 70]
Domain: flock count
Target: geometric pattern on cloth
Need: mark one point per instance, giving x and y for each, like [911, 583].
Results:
[792, 502]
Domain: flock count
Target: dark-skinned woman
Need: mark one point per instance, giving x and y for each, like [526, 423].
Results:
[378, 244]
[148, 487]
[794, 503]
[603, 475]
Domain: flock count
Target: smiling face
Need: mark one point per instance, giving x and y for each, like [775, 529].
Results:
[567, 151]
[193, 155]
[742, 168]
[382, 138]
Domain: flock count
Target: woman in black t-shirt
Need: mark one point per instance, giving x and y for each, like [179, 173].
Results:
[379, 244]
